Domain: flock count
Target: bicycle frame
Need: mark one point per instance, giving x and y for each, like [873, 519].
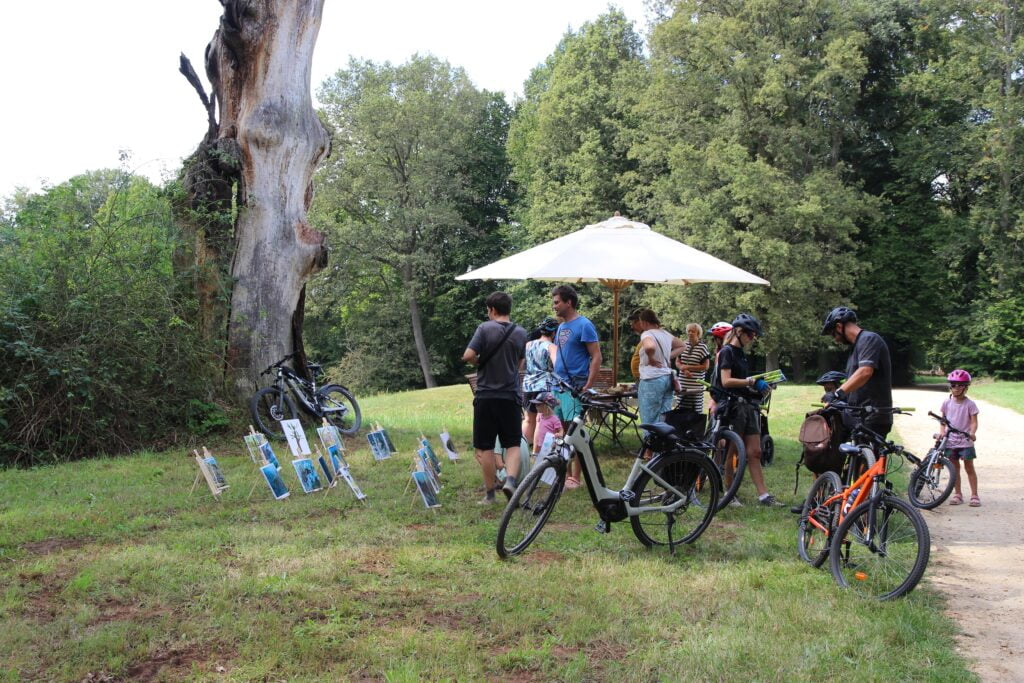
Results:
[874, 474]
[612, 505]
[299, 387]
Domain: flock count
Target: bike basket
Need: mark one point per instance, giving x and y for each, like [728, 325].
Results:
[688, 423]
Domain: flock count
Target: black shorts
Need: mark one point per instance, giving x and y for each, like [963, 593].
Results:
[529, 396]
[495, 418]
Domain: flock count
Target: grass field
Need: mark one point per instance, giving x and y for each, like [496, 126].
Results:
[1005, 394]
[109, 568]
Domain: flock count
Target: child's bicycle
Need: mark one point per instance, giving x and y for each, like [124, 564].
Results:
[659, 497]
[935, 476]
[876, 543]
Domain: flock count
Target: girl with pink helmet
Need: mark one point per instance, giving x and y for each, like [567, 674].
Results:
[962, 414]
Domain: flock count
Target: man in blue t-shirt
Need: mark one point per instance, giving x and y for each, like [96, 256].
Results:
[577, 360]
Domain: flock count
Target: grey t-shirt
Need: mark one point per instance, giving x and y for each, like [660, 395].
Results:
[499, 378]
[870, 349]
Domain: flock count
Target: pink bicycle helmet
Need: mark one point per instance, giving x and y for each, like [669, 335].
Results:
[959, 375]
[720, 329]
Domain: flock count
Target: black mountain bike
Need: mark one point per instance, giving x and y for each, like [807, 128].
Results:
[272, 404]
[933, 479]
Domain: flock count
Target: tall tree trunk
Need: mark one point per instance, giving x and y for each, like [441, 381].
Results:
[268, 141]
[417, 329]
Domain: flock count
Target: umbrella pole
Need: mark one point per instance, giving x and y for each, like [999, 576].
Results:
[616, 287]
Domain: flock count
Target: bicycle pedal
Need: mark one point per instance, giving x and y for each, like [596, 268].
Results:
[603, 527]
[627, 496]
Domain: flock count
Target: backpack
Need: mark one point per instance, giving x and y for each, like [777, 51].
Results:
[820, 454]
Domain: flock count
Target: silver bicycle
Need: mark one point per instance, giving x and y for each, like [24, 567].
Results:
[669, 499]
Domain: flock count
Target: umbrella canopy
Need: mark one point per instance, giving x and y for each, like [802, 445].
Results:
[615, 249]
[616, 252]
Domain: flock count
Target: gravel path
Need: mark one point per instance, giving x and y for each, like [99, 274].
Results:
[978, 553]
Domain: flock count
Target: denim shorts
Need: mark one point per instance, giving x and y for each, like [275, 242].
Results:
[965, 453]
[654, 398]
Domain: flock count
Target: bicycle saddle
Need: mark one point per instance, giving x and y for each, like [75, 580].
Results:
[662, 429]
[848, 449]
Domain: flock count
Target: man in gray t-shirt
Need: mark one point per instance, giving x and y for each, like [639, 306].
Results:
[497, 348]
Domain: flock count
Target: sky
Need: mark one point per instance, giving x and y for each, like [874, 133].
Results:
[84, 81]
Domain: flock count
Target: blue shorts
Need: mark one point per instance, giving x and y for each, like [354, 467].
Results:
[568, 406]
[965, 453]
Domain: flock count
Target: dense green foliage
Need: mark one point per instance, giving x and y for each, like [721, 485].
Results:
[96, 356]
[413, 194]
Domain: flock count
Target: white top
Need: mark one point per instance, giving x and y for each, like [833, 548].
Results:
[663, 340]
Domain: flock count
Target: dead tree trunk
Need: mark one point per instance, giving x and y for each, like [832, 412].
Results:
[262, 148]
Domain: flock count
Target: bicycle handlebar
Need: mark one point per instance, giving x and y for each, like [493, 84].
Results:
[944, 422]
[835, 405]
[588, 398]
[279, 363]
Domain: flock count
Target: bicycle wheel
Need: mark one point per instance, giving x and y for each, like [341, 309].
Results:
[812, 542]
[340, 408]
[880, 549]
[932, 482]
[682, 471]
[530, 506]
[767, 450]
[730, 457]
[268, 407]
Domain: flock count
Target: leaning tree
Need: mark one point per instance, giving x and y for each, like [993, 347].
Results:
[248, 185]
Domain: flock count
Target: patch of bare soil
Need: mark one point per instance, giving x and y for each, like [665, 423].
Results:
[53, 545]
[543, 557]
[169, 665]
[977, 556]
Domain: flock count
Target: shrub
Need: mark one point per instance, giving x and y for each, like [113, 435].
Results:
[96, 353]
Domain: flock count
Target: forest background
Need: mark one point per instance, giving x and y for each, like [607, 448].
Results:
[864, 153]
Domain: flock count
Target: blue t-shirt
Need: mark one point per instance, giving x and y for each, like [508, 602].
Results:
[573, 359]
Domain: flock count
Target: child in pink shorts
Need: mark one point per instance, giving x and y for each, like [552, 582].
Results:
[547, 421]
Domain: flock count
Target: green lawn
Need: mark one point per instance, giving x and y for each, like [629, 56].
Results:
[1006, 394]
[109, 568]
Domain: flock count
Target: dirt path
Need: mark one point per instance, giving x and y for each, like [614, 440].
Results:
[978, 553]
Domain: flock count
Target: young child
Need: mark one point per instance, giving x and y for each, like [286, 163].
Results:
[547, 421]
[962, 414]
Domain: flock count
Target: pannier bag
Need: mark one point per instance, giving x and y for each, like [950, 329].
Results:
[820, 454]
[688, 423]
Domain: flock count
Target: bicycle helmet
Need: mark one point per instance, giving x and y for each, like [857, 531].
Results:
[958, 376]
[747, 322]
[720, 329]
[548, 325]
[839, 314]
[831, 377]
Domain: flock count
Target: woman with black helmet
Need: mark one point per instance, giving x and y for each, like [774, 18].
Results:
[734, 374]
[537, 379]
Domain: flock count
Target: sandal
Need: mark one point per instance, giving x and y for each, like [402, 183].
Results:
[572, 483]
[975, 502]
[957, 499]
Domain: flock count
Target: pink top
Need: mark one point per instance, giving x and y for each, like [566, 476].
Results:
[546, 425]
[959, 415]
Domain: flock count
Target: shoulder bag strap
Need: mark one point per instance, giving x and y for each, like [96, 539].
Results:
[490, 352]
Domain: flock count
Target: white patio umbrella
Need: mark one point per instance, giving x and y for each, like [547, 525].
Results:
[616, 252]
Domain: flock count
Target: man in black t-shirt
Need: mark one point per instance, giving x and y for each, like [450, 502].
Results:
[497, 348]
[868, 368]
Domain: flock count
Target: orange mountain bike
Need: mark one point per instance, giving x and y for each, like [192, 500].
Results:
[877, 544]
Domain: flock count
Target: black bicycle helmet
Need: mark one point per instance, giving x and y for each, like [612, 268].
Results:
[748, 323]
[831, 377]
[839, 314]
[548, 325]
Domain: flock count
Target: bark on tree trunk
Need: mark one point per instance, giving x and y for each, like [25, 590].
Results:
[417, 331]
[268, 134]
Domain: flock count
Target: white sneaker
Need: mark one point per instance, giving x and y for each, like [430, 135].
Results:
[735, 503]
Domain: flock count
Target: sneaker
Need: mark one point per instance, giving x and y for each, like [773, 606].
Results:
[488, 498]
[796, 509]
[510, 486]
[735, 503]
[771, 501]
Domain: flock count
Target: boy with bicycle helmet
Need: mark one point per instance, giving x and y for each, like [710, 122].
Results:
[962, 414]
[733, 372]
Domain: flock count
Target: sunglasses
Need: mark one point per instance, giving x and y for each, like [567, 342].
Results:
[957, 385]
